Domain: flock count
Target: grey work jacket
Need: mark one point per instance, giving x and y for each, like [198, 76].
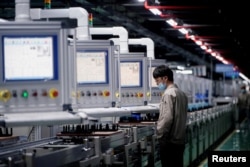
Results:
[244, 101]
[173, 114]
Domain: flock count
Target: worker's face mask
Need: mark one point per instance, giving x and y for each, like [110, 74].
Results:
[243, 91]
[162, 86]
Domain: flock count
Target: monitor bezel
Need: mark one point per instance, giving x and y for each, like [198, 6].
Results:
[140, 73]
[106, 65]
[55, 59]
[149, 75]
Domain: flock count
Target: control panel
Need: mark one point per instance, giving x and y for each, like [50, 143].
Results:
[154, 94]
[91, 68]
[130, 82]
[186, 83]
[32, 74]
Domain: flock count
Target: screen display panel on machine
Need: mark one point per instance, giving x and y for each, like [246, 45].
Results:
[131, 73]
[92, 67]
[151, 80]
[29, 58]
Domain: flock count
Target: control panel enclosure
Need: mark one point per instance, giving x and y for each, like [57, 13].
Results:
[131, 78]
[32, 72]
[91, 68]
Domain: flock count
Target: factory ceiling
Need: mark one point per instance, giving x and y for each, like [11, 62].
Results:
[220, 25]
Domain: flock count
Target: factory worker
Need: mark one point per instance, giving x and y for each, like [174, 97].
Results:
[171, 125]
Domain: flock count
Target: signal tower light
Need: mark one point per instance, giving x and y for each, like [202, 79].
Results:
[47, 4]
[90, 19]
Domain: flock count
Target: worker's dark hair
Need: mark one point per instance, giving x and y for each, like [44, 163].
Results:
[243, 86]
[162, 71]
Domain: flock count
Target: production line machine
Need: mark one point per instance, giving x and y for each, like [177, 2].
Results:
[91, 65]
[22, 107]
[132, 94]
[102, 105]
[122, 91]
[33, 74]
[33, 92]
[79, 145]
[153, 92]
[131, 86]
[127, 101]
[131, 75]
[32, 61]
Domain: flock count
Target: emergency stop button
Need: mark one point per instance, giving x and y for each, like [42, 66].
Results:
[139, 94]
[106, 93]
[5, 95]
[53, 93]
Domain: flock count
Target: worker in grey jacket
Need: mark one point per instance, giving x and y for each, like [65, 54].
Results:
[171, 125]
[243, 105]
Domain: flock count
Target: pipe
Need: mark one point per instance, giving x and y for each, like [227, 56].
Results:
[176, 7]
[145, 41]
[120, 31]
[82, 30]
[115, 40]
[3, 20]
[22, 9]
[142, 41]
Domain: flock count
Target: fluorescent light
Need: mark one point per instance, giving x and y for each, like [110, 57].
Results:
[183, 31]
[184, 71]
[155, 11]
[213, 54]
[204, 47]
[219, 58]
[244, 77]
[172, 22]
[192, 37]
[180, 68]
[209, 50]
[198, 42]
[225, 62]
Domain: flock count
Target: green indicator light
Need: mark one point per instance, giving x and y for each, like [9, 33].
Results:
[25, 94]
[47, 4]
